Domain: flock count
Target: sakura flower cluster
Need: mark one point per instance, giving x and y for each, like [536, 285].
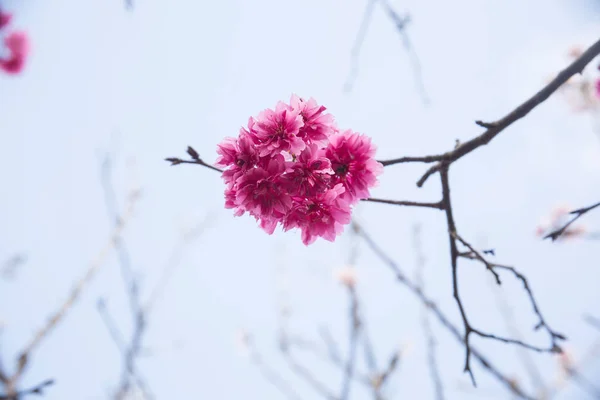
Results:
[292, 166]
[16, 47]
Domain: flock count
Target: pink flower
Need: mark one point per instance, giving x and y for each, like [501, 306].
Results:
[598, 87]
[261, 193]
[322, 216]
[317, 126]
[310, 174]
[239, 152]
[277, 130]
[4, 19]
[351, 156]
[18, 45]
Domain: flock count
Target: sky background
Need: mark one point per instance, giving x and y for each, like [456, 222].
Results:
[145, 84]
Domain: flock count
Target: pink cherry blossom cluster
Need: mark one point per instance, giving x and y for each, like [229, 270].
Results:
[17, 47]
[293, 166]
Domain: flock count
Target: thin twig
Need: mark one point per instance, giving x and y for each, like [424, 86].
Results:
[195, 160]
[401, 23]
[528, 363]
[358, 42]
[437, 205]
[131, 350]
[76, 292]
[355, 327]
[111, 326]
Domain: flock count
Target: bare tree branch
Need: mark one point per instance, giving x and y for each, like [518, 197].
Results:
[554, 235]
[195, 160]
[57, 317]
[432, 306]
[494, 128]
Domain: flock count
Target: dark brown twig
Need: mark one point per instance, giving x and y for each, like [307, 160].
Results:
[307, 376]
[437, 205]
[432, 306]
[400, 24]
[526, 359]
[195, 160]
[468, 327]
[494, 128]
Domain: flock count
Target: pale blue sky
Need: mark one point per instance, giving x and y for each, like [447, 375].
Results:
[172, 74]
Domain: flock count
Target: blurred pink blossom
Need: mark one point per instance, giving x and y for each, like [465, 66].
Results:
[5, 19]
[346, 276]
[351, 156]
[17, 44]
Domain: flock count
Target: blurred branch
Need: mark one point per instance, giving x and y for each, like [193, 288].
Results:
[139, 312]
[37, 390]
[593, 321]
[425, 323]
[358, 42]
[400, 23]
[11, 382]
[130, 351]
[554, 235]
[111, 326]
[9, 267]
[195, 160]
